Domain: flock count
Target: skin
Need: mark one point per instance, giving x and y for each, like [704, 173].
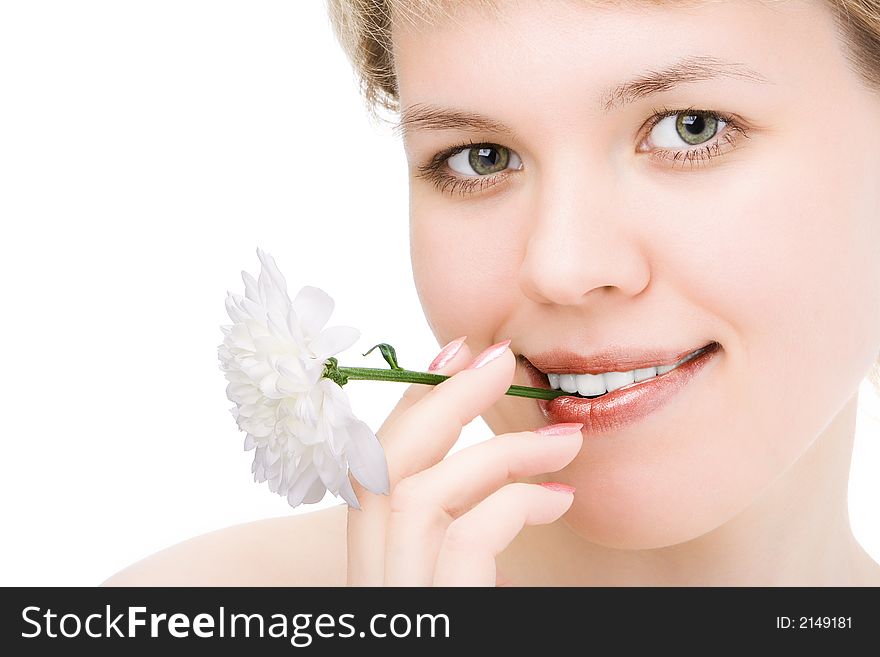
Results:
[770, 249]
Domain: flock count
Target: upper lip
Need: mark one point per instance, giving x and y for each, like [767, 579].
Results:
[616, 358]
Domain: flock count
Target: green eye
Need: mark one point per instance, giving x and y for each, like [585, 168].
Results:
[488, 159]
[674, 129]
[696, 128]
[483, 160]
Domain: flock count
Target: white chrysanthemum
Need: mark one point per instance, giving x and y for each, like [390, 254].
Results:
[300, 423]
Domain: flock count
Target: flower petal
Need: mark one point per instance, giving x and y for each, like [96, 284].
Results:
[293, 369]
[268, 388]
[278, 327]
[313, 306]
[315, 493]
[254, 309]
[275, 470]
[233, 307]
[295, 469]
[326, 465]
[366, 458]
[333, 340]
[301, 486]
[294, 328]
[242, 393]
[348, 495]
[270, 275]
[251, 289]
[300, 426]
[335, 407]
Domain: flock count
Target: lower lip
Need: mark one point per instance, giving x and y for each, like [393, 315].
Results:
[625, 405]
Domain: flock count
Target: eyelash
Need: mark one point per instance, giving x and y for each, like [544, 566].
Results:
[445, 183]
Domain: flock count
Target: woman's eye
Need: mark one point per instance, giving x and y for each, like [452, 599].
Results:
[484, 160]
[686, 129]
[689, 136]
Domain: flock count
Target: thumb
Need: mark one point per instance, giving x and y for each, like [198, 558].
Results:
[453, 357]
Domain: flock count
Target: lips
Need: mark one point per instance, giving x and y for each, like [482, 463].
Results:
[613, 359]
[625, 405]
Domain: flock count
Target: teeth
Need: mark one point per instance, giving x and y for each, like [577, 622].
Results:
[615, 380]
[590, 385]
[567, 383]
[645, 374]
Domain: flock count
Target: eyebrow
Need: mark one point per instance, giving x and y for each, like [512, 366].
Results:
[425, 116]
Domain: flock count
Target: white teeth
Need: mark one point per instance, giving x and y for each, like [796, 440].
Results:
[567, 383]
[591, 384]
[615, 380]
[644, 374]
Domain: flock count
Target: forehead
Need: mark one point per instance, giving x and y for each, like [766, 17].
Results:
[586, 49]
[431, 12]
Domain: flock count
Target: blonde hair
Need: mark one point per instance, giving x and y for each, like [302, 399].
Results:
[363, 29]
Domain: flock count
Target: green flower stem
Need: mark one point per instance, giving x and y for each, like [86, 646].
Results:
[411, 376]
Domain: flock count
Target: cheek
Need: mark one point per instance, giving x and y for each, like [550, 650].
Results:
[788, 267]
[784, 255]
[793, 268]
[464, 268]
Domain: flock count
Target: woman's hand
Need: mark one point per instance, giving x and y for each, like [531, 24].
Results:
[445, 520]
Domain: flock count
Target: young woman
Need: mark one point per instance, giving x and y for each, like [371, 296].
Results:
[668, 210]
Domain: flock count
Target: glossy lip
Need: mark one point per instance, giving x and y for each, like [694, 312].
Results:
[614, 359]
[625, 405]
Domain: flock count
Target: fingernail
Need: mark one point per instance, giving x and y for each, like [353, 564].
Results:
[560, 429]
[447, 354]
[555, 485]
[488, 355]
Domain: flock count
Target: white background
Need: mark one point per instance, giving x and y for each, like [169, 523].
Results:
[146, 150]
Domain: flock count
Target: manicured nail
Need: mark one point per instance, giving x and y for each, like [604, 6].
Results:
[555, 485]
[447, 354]
[562, 429]
[488, 355]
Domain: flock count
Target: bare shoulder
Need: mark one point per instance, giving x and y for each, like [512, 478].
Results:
[302, 550]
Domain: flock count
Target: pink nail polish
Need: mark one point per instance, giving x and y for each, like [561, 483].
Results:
[447, 354]
[562, 429]
[555, 485]
[489, 354]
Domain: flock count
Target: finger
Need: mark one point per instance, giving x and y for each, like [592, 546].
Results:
[423, 505]
[467, 556]
[366, 527]
[423, 435]
[456, 357]
[463, 479]
[418, 438]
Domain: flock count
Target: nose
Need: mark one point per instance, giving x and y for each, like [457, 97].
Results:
[581, 244]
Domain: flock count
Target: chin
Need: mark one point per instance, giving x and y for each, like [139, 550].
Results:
[615, 529]
[641, 513]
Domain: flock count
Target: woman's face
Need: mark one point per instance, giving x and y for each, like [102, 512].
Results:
[585, 227]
